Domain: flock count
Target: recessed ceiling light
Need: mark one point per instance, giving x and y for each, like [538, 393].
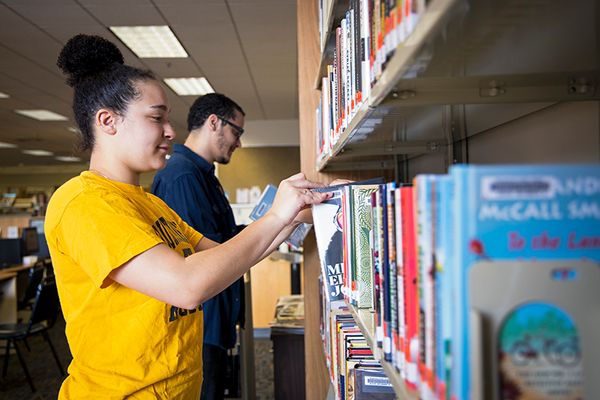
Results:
[150, 41]
[42, 115]
[4, 145]
[4, 96]
[67, 158]
[73, 129]
[189, 86]
[38, 152]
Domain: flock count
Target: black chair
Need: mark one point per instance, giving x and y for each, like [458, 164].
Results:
[47, 263]
[43, 316]
[34, 278]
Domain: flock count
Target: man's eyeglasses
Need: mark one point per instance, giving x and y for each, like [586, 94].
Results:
[239, 131]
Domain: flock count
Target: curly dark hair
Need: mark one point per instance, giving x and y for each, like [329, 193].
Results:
[95, 69]
[212, 103]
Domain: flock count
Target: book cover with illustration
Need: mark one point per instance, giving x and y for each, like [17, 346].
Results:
[327, 220]
[518, 212]
[541, 339]
[362, 249]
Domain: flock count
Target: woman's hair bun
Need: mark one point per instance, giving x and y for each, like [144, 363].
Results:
[86, 55]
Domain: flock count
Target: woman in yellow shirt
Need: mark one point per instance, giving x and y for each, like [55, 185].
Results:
[130, 273]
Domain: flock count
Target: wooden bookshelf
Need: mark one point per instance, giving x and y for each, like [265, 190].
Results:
[402, 85]
[469, 64]
[332, 17]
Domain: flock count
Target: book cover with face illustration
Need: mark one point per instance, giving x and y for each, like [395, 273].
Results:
[327, 220]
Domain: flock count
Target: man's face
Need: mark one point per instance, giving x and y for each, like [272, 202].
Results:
[228, 139]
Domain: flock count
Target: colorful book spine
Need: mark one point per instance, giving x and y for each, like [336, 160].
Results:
[376, 245]
[400, 359]
[391, 274]
[410, 286]
[424, 186]
[444, 297]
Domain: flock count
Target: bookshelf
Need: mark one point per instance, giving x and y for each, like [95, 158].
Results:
[473, 83]
[424, 71]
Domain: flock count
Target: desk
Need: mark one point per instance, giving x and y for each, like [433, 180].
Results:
[8, 297]
[12, 283]
[17, 268]
[288, 362]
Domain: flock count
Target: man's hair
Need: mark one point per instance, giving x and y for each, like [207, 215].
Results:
[212, 103]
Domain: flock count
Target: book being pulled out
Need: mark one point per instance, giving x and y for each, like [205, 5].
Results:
[264, 204]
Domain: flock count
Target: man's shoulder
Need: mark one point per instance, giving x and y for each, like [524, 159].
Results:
[176, 166]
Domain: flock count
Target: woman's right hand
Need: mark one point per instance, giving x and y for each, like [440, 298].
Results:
[294, 195]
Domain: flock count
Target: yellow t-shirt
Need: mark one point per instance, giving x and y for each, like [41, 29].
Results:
[123, 342]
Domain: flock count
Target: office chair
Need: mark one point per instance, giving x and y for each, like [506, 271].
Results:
[35, 276]
[43, 316]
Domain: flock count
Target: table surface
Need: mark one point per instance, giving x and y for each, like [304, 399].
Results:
[16, 268]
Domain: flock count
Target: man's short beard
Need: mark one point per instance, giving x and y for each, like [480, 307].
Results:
[223, 160]
[221, 144]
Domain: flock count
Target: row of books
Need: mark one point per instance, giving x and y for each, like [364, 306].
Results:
[366, 38]
[354, 372]
[428, 258]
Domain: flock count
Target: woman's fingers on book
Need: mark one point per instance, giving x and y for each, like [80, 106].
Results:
[340, 182]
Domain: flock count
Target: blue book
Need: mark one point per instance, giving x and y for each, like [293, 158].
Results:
[444, 297]
[520, 212]
[263, 205]
[425, 209]
[264, 202]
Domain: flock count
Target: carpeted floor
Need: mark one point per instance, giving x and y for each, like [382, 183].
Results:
[47, 379]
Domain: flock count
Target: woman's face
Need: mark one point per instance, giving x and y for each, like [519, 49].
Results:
[146, 133]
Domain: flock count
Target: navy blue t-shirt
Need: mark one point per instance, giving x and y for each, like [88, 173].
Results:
[189, 186]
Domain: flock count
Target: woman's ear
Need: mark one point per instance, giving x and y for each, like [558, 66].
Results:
[106, 120]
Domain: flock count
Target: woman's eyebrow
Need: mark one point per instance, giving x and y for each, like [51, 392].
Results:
[161, 106]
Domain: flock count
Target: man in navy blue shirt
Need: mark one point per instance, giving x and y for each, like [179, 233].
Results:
[189, 186]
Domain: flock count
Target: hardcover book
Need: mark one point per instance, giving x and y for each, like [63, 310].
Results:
[519, 212]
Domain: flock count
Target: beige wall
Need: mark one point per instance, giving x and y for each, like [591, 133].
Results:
[258, 166]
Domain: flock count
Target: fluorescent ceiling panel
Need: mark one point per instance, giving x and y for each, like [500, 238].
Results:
[67, 158]
[42, 115]
[4, 145]
[4, 96]
[189, 86]
[38, 152]
[150, 41]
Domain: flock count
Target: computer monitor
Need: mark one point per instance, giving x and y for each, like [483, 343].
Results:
[10, 252]
[31, 243]
[43, 252]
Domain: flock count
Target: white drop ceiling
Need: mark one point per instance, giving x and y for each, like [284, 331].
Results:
[245, 48]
